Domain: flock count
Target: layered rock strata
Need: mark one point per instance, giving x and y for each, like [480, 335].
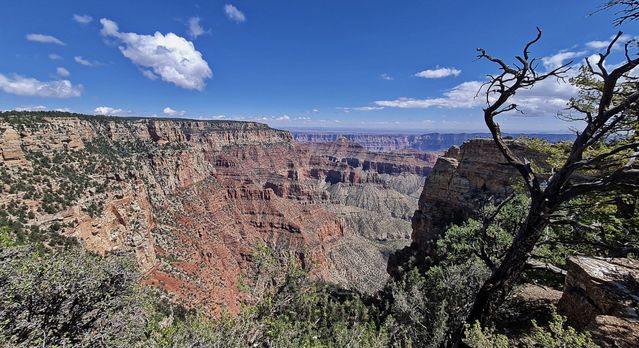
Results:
[190, 199]
[459, 183]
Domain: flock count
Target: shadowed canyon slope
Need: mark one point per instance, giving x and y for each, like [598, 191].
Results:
[191, 198]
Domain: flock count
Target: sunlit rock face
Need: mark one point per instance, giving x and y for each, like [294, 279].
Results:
[189, 200]
[459, 183]
[601, 295]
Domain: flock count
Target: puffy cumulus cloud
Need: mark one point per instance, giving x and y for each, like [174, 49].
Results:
[45, 39]
[438, 73]
[171, 57]
[62, 72]
[54, 56]
[107, 110]
[170, 112]
[234, 14]
[82, 19]
[559, 59]
[26, 86]
[195, 28]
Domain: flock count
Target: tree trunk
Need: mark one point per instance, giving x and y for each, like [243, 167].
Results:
[501, 282]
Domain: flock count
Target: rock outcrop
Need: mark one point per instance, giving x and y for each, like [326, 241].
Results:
[10, 150]
[459, 183]
[601, 295]
[190, 199]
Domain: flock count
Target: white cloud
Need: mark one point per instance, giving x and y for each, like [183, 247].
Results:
[107, 110]
[62, 72]
[171, 57]
[149, 74]
[40, 108]
[596, 45]
[54, 56]
[546, 98]
[82, 19]
[559, 59]
[460, 96]
[195, 28]
[283, 118]
[31, 108]
[438, 73]
[361, 108]
[386, 77]
[234, 14]
[27, 86]
[82, 61]
[45, 39]
[170, 112]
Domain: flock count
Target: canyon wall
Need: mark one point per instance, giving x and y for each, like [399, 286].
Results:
[459, 183]
[191, 199]
[422, 142]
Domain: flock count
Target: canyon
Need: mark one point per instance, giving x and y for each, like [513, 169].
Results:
[190, 200]
[384, 142]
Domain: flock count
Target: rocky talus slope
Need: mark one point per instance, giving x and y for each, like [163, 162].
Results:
[191, 199]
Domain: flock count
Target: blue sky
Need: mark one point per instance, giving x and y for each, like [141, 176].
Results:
[405, 65]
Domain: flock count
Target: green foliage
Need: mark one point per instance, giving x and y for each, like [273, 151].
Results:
[69, 298]
[478, 337]
[557, 335]
[426, 309]
[6, 239]
[492, 231]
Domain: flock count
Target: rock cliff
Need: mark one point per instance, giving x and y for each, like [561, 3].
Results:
[458, 184]
[190, 199]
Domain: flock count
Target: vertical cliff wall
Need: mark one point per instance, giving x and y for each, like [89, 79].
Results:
[458, 184]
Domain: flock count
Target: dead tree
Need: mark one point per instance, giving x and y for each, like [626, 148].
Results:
[627, 10]
[609, 118]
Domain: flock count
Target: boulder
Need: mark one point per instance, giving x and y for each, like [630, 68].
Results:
[601, 295]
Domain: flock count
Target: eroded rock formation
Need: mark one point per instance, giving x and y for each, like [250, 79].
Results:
[190, 199]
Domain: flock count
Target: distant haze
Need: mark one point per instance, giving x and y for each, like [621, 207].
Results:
[376, 141]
